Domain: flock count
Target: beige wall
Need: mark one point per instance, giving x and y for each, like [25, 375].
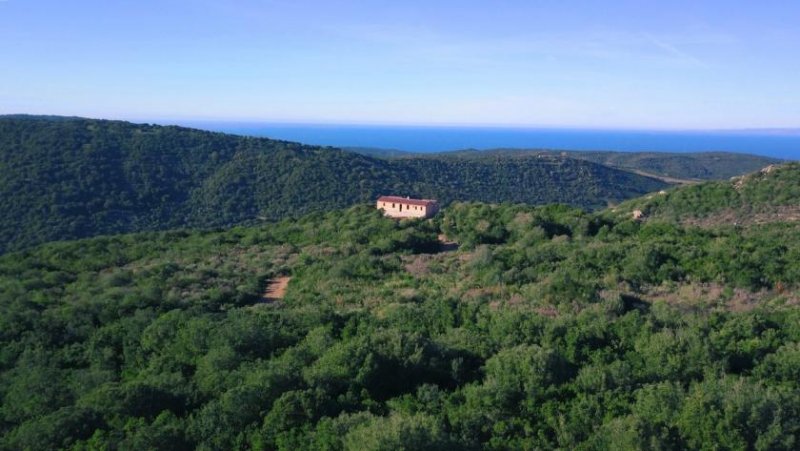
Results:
[407, 211]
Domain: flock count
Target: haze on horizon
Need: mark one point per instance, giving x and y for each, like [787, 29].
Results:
[626, 64]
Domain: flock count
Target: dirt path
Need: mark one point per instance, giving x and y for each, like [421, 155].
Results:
[276, 289]
[663, 178]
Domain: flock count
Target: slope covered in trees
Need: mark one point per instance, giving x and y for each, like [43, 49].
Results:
[549, 327]
[768, 195]
[63, 178]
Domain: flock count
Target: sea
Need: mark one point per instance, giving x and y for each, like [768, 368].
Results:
[783, 144]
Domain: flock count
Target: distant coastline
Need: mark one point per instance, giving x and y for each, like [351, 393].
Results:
[776, 143]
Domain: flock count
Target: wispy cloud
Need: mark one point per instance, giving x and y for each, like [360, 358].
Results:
[672, 50]
[602, 45]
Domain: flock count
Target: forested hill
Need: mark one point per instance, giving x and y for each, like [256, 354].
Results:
[63, 178]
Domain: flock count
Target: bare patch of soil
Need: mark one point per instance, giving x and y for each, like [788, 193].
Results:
[418, 265]
[695, 295]
[276, 289]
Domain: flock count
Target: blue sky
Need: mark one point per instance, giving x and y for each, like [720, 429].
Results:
[608, 64]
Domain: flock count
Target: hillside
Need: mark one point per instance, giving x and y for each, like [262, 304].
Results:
[769, 195]
[694, 166]
[534, 181]
[64, 178]
[548, 328]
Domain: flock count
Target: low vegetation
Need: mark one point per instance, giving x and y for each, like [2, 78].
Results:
[549, 327]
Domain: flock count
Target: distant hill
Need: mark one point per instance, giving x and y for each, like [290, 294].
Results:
[700, 165]
[378, 152]
[682, 166]
[63, 178]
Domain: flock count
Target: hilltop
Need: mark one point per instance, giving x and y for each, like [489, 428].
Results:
[64, 178]
[545, 327]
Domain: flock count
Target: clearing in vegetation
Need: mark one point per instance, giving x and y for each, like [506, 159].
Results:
[276, 289]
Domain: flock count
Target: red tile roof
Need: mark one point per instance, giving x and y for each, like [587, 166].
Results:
[407, 200]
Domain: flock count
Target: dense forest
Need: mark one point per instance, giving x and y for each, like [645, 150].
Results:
[548, 327]
[692, 166]
[64, 178]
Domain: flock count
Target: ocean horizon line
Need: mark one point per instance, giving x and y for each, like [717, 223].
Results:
[775, 143]
[467, 126]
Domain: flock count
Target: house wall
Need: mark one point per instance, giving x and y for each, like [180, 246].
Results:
[394, 210]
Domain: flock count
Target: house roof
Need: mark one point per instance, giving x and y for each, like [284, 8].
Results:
[407, 200]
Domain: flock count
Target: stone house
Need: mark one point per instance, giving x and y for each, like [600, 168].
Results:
[406, 207]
